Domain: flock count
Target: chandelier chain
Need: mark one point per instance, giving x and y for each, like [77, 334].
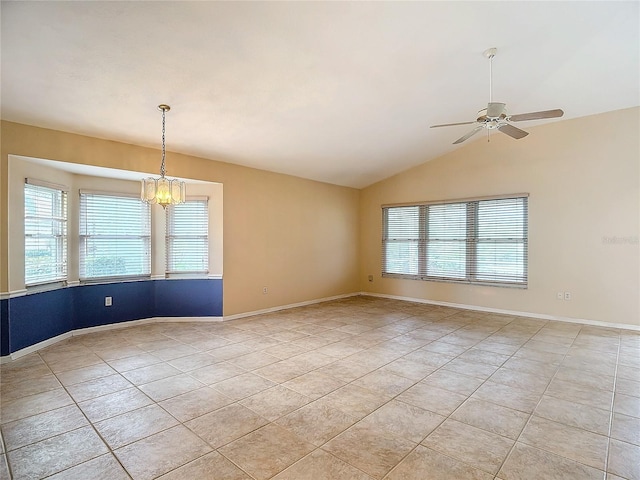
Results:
[162, 167]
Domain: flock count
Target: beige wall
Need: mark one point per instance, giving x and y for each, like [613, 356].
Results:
[297, 237]
[583, 179]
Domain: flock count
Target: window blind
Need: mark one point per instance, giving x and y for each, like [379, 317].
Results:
[478, 241]
[45, 233]
[115, 236]
[187, 237]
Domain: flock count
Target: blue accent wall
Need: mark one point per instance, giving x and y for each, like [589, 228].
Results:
[33, 318]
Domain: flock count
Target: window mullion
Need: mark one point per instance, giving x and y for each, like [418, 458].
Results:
[472, 240]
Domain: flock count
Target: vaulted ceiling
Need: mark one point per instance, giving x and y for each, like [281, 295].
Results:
[340, 92]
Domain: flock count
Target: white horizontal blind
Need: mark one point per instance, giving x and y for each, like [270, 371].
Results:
[187, 237]
[115, 236]
[477, 241]
[45, 234]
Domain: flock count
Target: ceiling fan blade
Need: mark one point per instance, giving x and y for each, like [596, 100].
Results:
[468, 135]
[536, 115]
[512, 131]
[495, 109]
[452, 124]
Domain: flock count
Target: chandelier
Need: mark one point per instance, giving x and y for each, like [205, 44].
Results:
[163, 191]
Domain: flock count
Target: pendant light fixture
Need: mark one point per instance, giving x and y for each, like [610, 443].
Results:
[163, 191]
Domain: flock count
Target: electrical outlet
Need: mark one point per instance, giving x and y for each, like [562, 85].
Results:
[265, 290]
[560, 295]
[567, 295]
[371, 278]
[108, 301]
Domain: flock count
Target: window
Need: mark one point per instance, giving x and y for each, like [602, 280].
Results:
[479, 241]
[45, 233]
[187, 237]
[115, 236]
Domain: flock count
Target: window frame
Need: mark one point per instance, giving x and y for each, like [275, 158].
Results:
[61, 239]
[472, 241]
[146, 236]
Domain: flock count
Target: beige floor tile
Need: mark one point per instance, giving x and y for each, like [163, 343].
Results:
[254, 360]
[163, 452]
[434, 399]
[226, 424]
[113, 404]
[192, 362]
[345, 370]
[195, 403]
[626, 405]
[133, 362]
[579, 445]
[34, 404]
[57, 453]
[581, 394]
[526, 381]
[371, 450]
[314, 384]
[212, 466]
[105, 467]
[13, 390]
[74, 363]
[628, 386]
[491, 417]
[78, 375]
[526, 463]
[216, 373]
[479, 355]
[583, 377]
[354, 400]
[404, 367]
[243, 386]
[320, 465]
[426, 464]
[149, 374]
[384, 382]
[285, 350]
[626, 428]
[470, 368]
[624, 459]
[428, 357]
[479, 448]
[453, 381]
[42, 426]
[281, 371]
[403, 420]
[570, 413]
[178, 351]
[97, 387]
[135, 425]
[275, 402]
[507, 396]
[317, 422]
[230, 351]
[519, 364]
[266, 451]
[170, 387]
[4, 468]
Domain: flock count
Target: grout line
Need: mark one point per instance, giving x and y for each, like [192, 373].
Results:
[611, 414]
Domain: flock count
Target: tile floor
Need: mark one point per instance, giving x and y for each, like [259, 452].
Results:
[361, 388]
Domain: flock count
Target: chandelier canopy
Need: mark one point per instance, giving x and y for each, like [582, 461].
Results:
[163, 191]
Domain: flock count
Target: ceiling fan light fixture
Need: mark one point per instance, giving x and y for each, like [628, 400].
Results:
[162, 190]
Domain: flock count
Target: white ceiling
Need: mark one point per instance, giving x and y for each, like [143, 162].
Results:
[340, 92]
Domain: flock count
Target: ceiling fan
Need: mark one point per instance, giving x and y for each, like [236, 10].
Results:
[495, 116]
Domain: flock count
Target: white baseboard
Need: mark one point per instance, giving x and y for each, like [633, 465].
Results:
[33, 348]
[542, 316]
[286, 307]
